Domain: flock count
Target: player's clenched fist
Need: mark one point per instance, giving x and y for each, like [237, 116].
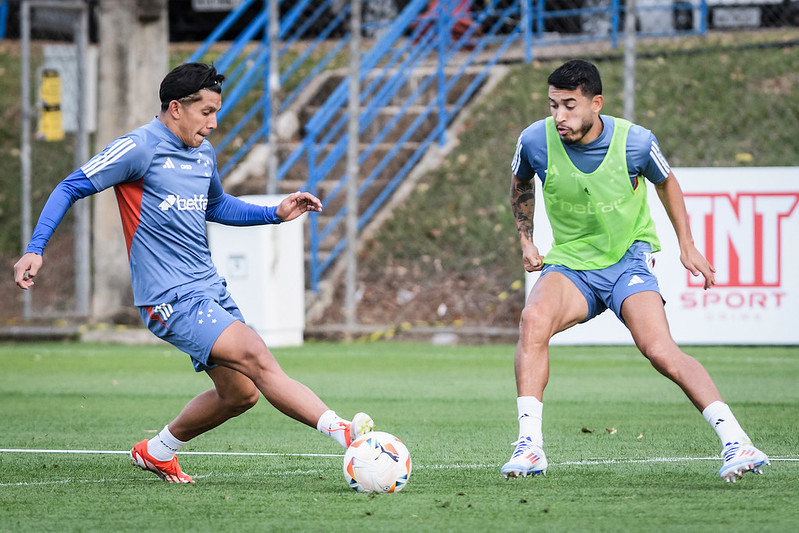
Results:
[26, 269]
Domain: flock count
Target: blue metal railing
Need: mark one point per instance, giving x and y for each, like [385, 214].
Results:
[405, 69]
[3, 18]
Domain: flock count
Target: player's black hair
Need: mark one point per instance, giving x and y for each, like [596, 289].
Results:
[577, 73]
[186, 80]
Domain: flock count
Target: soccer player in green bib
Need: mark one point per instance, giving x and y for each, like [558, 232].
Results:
[591, 168]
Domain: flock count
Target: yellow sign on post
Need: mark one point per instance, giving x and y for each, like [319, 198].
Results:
[51, 127]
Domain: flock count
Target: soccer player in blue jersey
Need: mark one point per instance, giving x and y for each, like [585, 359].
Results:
[591, 168]
[167, 186]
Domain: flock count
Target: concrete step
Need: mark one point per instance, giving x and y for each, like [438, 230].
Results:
[383, 118]
[334, 78]
[297, 177]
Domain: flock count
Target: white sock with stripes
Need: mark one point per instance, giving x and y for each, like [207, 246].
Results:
[530, 411]
[719, 415]
[164, 446]
[334, 426]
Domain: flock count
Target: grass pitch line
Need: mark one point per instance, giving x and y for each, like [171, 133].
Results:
[316, 471]
[126, 452]
[150, 479]
[592, 462]
[585, 462]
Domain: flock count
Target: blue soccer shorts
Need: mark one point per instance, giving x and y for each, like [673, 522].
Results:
[192, 322]
[607, 288]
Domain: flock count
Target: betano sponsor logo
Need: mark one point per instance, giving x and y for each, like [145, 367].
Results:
[196, 203]
[590, 208]
[741, 235]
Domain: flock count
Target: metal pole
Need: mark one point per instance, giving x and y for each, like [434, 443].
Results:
[614, 23]
[443, 41]
[629, 60]
[528, 30]
[273, 89]
[352, 170]
[25, 151]
[703, 12]
[82, 222]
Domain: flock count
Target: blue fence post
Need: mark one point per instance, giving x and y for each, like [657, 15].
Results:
[527, 9]
[614, 24]
[703, 16]
[538, 9]
[313, 222]
[3, 18]
[443, 41]
[267, 97]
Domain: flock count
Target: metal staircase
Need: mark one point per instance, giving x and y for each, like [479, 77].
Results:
[417, 72]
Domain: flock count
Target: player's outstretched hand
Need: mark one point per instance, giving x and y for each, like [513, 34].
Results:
[26, 269]
[695, 262]
[296, 204]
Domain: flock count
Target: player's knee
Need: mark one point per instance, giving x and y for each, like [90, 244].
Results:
[528, 318]
[249, 400]
[533, 325]
[255, 358]
[242, 400]
[664, 358]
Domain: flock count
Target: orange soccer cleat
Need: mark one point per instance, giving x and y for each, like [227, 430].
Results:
[168, 471]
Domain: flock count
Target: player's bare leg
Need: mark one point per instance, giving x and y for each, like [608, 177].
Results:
[233, 394]
[645, 317]
[241, 349]
[554, 304]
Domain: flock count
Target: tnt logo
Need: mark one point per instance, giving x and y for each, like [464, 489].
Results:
[740, 234]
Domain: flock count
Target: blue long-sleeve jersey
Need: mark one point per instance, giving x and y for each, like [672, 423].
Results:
[166, 192]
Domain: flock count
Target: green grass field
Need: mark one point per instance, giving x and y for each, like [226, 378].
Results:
[454, 407]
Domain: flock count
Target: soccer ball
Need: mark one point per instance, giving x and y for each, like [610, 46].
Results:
[377, 462]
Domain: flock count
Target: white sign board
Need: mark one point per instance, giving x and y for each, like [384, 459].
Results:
[746, 222]
[265, 271]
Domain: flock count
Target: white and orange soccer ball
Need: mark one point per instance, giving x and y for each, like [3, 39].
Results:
[377, 462]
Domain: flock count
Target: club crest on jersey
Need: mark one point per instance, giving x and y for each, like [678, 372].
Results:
[197, 203]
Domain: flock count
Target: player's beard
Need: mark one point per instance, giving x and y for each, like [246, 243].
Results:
[585, 127]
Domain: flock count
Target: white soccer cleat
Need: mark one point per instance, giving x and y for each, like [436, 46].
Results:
[740, 459]
[361, 425]
[528, 459]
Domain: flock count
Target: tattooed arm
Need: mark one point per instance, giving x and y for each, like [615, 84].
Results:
[522, 201]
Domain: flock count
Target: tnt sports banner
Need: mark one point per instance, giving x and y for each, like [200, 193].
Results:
[746, 222]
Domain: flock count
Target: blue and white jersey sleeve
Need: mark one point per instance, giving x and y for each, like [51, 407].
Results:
[530, 157]
[644, 157]
[70, 190]
[125, 159]
[231, 211]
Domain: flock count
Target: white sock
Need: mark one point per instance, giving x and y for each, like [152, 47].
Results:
[530, 411]
[719, 415]
[164, 446]
[334, 426]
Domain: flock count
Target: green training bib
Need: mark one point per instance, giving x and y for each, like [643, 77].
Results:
[595, 217]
